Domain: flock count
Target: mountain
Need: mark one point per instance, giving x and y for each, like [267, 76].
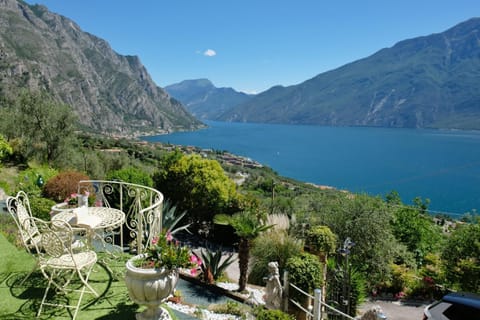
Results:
[110, 92]
[204, 100]
[431, 81]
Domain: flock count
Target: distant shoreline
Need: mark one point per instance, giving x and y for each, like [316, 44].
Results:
[438, 164]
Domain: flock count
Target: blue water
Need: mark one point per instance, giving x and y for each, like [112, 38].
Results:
[441, 165]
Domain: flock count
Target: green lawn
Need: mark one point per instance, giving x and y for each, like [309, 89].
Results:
[22, 301]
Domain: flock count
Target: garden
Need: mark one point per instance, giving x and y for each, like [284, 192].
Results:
[396, 250]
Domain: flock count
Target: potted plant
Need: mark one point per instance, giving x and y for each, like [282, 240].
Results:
[152, 276]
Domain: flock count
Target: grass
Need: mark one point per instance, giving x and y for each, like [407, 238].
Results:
[22, 301]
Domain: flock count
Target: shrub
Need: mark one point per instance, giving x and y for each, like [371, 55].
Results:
[231, 307]
[27, 179]
[63, 185]
[321, 240]
[264, 314]
[305, 272]
[5, 186]
[131, 175]
[41, 207]
[197, 185]
[338, 281]
[358, 292]
[271, 246]
[403, 280]
[10, 230]
[5, 148]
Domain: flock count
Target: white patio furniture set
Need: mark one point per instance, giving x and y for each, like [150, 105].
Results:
[61, 255]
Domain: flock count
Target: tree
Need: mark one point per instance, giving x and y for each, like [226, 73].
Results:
[413, 227]
[131, 175]
[248, 225]
[461, 257]
[44, 126]
[197, 185]
[365, 220]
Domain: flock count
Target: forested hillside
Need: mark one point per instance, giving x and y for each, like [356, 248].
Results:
[109, 92]
[204, 100]
[425, 82]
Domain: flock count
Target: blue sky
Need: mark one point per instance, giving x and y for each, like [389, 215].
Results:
[252, 45]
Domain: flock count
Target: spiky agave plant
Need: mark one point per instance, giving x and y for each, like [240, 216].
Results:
[212, 264]
[171, 218]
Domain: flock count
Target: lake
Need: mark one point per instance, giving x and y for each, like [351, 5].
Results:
[441, 165]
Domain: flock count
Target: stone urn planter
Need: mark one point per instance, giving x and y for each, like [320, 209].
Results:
[150, 287]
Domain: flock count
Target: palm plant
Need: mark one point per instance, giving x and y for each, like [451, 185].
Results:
[248, 226]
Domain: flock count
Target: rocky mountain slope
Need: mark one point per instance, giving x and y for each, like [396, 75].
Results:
[204, 100]
[430, 81]
[111, 93]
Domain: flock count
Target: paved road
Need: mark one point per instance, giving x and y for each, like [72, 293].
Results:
[396, 310]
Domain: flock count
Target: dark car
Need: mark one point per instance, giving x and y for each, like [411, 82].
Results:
[454, 306]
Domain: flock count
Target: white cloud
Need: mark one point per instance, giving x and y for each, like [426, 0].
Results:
[209, 53]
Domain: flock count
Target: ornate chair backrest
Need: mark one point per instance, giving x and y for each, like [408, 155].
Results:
[19, 209]
[57, 238]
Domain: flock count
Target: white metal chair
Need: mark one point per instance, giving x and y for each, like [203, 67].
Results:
[59, 263]
[19, 209]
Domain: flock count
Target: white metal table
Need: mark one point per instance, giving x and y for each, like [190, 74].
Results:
[108, 223]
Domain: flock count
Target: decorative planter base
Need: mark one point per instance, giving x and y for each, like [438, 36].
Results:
[153, 313]
[150, 287]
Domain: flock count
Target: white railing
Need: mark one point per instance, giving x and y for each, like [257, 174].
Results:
[142, 206]
[314, 311]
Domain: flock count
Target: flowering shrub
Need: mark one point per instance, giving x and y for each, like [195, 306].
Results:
[166, 252]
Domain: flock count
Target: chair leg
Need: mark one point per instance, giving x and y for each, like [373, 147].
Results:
[28, 275]
[85, 278]
[50, 281]
[84, 287]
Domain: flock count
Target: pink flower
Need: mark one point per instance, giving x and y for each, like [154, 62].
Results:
[155, 240]
[195, 260]
[169, 236]
[193, 271]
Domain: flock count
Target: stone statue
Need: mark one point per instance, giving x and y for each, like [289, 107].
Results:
[273, 290]
[374, 313]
